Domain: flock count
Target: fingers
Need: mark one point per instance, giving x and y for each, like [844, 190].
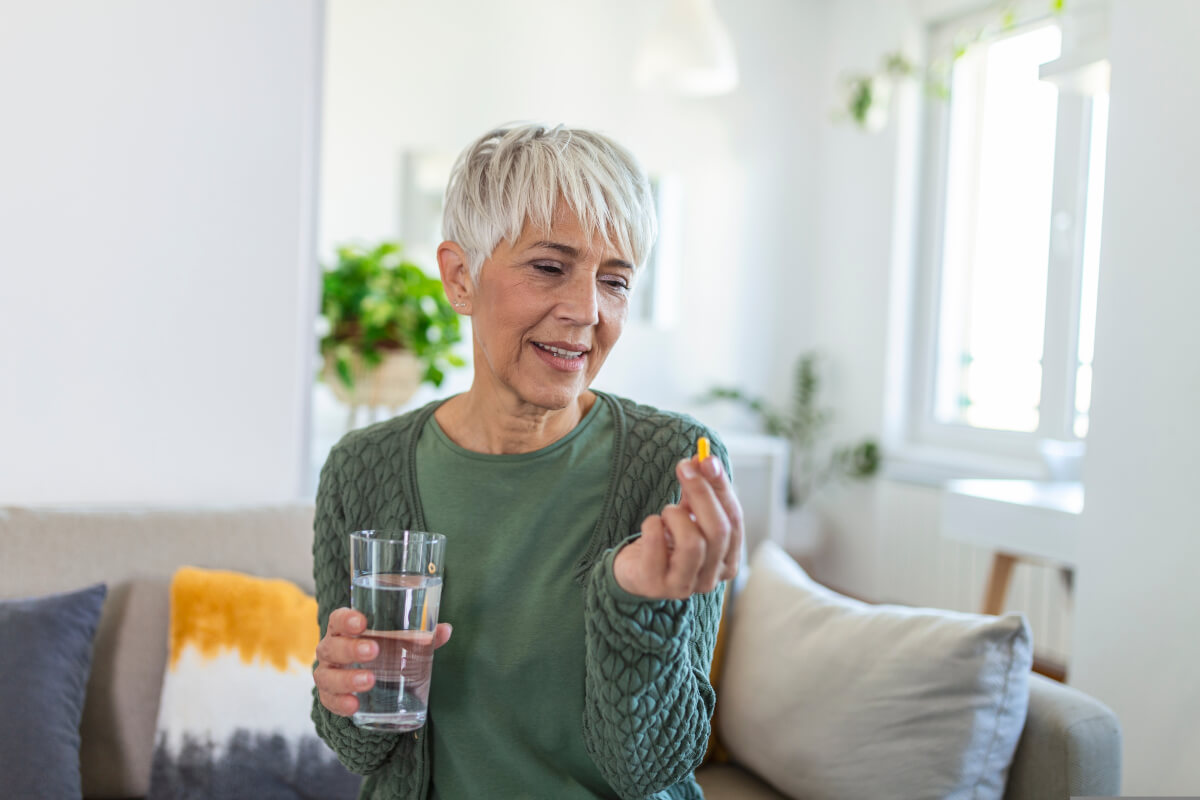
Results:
[336, 683]
[441, 634]
[335, 677]
[336, 686]
[688, 565]
[655, 549]
[344, 705]
[709, 513]
[341, 651]
[719, 481]
[708, 495]
[346, 622]
[727, 497]
[336, 652]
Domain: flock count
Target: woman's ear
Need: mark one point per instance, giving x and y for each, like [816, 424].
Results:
[456, 276]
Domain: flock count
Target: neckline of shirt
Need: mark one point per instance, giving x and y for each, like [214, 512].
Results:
[558, 444]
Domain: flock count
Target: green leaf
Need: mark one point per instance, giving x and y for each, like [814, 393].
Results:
[373, 298]
[860, 99]
[343, 369]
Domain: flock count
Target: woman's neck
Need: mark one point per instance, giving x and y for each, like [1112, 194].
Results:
[507, 425]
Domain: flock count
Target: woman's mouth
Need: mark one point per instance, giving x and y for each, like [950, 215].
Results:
[561, 356]
[561, 352]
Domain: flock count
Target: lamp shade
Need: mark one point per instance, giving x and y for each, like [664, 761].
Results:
[688, 52]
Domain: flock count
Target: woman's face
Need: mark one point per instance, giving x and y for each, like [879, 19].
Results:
[546, 310]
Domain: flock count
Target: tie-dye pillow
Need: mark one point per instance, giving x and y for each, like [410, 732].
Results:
[234, 718]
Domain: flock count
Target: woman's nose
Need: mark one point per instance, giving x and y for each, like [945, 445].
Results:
[580, 303]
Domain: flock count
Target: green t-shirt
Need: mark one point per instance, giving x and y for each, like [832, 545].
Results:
[506, 699]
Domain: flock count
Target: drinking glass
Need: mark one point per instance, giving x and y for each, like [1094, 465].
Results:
[396, 581]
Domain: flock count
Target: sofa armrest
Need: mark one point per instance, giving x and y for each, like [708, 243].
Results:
[1071, 746]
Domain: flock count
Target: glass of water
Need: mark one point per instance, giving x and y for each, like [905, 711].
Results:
[396, 581]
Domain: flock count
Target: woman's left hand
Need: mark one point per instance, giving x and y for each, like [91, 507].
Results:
[691, 547]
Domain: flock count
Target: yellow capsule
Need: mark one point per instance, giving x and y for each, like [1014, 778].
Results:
[702, 448]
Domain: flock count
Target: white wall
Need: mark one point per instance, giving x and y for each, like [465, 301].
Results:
[1138, 597]
[412, 74]
[859, 183]
[156, 271]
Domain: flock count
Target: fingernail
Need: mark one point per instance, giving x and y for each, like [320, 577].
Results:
[364, 649]
[688, 470]
[361, 680]
[711, 466]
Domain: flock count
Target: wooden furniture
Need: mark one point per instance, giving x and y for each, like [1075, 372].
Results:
[1020, 520]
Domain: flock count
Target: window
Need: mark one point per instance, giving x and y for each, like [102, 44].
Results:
[1009, 246]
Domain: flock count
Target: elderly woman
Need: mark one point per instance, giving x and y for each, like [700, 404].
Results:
[586, 545]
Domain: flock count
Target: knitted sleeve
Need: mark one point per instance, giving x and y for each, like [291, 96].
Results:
[362, 751]
[648, 702]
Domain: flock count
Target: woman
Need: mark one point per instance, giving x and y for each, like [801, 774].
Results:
[585, 545]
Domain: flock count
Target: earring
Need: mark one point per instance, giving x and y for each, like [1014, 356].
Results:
[459, 305]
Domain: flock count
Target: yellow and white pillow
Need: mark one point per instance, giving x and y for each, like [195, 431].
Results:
[234, 714]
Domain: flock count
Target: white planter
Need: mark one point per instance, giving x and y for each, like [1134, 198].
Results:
[391, 384]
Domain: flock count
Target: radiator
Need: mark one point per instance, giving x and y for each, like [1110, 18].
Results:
[919, 566]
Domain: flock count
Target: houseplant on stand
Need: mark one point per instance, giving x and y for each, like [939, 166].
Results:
[387, 328]
[813, 464]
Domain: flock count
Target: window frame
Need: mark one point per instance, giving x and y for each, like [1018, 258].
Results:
[956, 449]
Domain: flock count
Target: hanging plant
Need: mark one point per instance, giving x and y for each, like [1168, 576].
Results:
[866, 96]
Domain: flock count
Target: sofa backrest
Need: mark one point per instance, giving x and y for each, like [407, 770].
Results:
[135, 551]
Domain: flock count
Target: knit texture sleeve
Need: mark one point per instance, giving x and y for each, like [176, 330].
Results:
[362, 751]
[649, 703]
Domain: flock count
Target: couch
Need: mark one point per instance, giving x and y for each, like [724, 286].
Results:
[1070, 744]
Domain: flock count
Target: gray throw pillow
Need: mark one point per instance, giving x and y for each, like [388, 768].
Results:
[45, 660]
[829, 698]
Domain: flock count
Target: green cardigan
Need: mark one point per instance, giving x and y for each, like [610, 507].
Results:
[648, 701]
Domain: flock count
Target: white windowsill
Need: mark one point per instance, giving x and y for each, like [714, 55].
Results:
[1035, 519]
[929, 465]
[995, 503]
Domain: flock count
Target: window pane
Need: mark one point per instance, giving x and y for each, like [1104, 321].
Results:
[997, 231]
[1091, 263]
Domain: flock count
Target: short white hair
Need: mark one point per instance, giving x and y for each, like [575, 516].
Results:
[516, 174]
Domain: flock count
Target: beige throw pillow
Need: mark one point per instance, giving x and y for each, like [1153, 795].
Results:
[830, 698]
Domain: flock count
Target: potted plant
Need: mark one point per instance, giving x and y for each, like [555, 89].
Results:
[388, 327]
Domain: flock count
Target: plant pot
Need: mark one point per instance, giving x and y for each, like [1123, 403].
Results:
[391, 384]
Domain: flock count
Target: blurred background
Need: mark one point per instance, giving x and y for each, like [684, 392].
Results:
[936, 257]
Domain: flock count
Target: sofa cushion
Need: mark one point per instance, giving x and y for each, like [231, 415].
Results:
[45, 660]
[234, 715]
[731, 782]
[828, 697]
[122, 696]
[135, 551]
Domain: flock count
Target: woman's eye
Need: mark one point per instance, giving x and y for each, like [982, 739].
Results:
[549, 269]
[617, 283]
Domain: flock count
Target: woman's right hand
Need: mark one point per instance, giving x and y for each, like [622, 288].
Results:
[342, 647]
